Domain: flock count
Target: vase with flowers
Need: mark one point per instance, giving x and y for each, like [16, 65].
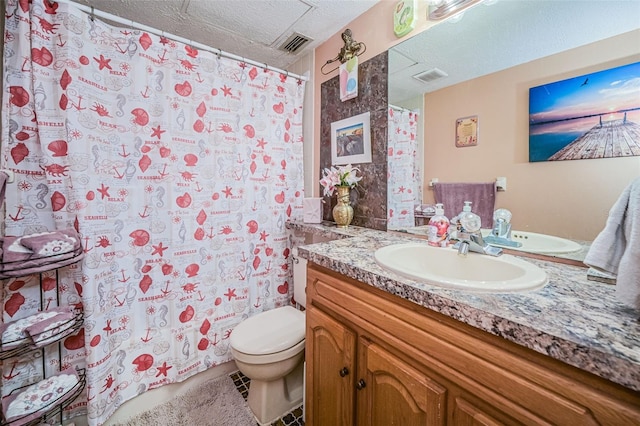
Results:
[341, 180]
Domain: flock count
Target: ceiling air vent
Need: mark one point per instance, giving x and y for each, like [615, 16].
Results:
[294, 43]
[430, 75]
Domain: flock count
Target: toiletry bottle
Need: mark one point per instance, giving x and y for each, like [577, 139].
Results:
[469, 222]
[456, 227]
[438, 233]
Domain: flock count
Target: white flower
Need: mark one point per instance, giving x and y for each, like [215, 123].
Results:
[341, 176]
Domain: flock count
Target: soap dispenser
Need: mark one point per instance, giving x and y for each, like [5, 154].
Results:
[469, 222]
[455, 222]
[438, 231]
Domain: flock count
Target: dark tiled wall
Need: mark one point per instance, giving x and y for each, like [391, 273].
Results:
[369, 200]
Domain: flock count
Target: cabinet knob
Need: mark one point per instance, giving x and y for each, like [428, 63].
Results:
[344, 371]
[361, 384]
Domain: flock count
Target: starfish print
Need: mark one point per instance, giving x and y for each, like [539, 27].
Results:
[158, 249]
[226, 90]
[263, 236]
[163, 369]
[227, 191]
[231, 293]
[243, 65]
[103, 62]
[261, 143]
[164, 40]
[104, 190]
[401, 189]
[157, 132]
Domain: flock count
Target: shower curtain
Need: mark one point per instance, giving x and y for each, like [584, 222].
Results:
[403, 179]
[177, 167]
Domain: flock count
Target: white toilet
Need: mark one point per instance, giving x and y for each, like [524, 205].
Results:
[269, 349]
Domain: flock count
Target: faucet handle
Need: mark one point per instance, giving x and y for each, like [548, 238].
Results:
[503, 214]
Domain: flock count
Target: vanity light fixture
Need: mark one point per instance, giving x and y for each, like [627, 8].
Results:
[441, 9]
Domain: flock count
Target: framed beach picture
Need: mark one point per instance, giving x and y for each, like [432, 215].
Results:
[594, 115]
[351, 140]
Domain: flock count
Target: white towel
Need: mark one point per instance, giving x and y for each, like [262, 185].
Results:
[616, 249]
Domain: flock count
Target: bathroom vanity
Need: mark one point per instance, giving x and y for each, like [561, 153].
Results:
[382, 349]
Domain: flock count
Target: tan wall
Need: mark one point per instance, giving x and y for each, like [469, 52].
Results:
[565, 198]
[375, 29]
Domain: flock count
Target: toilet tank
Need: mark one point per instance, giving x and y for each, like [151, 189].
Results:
[299, 278]
[300, 264]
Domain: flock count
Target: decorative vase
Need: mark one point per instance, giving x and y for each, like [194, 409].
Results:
[342, 211]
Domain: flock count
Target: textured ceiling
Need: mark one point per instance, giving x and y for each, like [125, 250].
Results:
[253, 29]
[498, 34]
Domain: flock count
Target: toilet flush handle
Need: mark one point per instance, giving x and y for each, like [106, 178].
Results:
[344, 371]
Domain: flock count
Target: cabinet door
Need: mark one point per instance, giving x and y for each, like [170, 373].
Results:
[330, 355]
[394, 393]
[467, 414]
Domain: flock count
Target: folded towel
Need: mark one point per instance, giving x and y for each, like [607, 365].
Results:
[4, 177]
[482, 197]
[616, 249]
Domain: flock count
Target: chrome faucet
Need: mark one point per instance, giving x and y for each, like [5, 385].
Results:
[501, 231]
[501, 228]
[473, 241]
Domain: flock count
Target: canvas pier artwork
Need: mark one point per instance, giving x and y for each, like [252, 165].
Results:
[590, 116]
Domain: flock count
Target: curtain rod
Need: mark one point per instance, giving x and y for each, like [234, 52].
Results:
[93, 12]
[400, 108]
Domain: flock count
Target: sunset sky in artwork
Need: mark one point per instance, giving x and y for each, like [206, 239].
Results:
[591, 94]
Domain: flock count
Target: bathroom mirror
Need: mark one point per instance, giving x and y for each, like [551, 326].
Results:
[490, 56]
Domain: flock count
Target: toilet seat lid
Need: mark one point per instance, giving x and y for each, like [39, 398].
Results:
[269, 332]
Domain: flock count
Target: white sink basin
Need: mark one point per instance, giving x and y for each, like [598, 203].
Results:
[475, 272]
[538, 243]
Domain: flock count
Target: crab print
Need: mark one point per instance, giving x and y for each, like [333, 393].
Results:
[225, 128]
[187, 176]
[100, 110]
[226, 230]
[48, 27]
[56, 170]
[108, 382]
[189, 287]
[187, 65]
[103, 241]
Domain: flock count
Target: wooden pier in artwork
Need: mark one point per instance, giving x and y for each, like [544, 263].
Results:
[616, 138]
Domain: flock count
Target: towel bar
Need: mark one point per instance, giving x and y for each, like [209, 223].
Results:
[501, 183]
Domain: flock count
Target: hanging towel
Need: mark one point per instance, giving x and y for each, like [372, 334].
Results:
[482, 196]
[349, 79]
[616, 249]
[4, 177]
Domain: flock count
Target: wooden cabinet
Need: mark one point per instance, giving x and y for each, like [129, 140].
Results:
[377, 359]
[331, 366]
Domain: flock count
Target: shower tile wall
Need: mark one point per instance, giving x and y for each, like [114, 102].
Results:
[369, 201]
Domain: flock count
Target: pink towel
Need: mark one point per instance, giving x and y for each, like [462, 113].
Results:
[481, 195]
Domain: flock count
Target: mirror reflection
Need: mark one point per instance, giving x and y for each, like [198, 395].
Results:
[482, 64]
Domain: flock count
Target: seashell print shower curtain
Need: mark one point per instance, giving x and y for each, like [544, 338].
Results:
[177, 167]
[404, 177]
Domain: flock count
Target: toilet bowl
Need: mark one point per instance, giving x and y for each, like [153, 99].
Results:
[268, 348]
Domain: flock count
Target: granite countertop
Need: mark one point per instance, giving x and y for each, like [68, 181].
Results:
[571, 319]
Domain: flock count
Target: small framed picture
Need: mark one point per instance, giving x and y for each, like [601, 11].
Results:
[467, 131]
[351, 140]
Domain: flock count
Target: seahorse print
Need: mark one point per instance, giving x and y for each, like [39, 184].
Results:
[121, 102]
[41, 192]
[159, 77]
[159, 195]
[118, 226]
[120, 357]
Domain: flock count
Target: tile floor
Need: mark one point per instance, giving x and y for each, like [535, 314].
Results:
[294, 418]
